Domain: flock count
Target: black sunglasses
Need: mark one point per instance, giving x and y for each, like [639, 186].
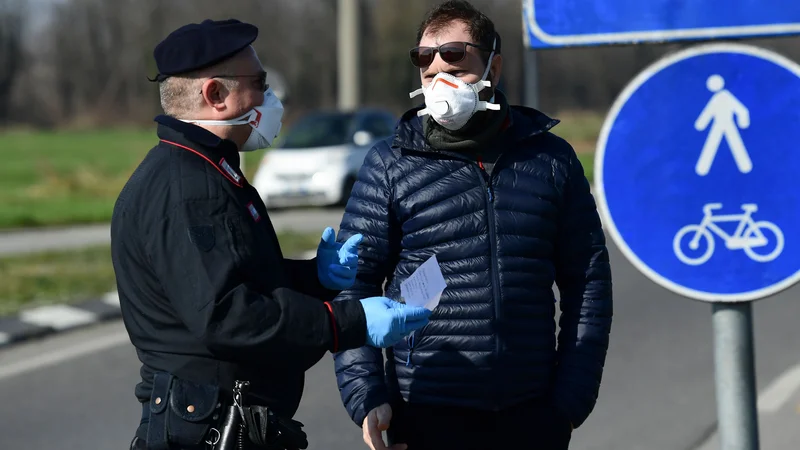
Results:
[451, 53]
[262, 79]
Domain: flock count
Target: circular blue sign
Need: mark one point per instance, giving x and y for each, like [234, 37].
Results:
[698, 172]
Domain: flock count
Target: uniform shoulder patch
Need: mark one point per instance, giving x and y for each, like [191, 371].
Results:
[253, 212]
[202, 236]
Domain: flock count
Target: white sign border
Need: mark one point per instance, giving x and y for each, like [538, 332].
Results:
[602, 141]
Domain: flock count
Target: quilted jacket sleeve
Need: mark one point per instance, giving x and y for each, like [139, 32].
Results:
[583, 276]
[359, 372]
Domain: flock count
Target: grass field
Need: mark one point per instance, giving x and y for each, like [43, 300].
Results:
[54, 178]
[58, 277]
[69, 177]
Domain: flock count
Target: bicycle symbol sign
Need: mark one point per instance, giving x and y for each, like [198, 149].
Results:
[750, 236]
[699, 192]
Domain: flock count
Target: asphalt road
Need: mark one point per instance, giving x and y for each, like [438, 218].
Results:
[36, 240]
[76, 391]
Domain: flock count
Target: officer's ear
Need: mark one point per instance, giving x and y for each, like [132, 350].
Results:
[214, 94]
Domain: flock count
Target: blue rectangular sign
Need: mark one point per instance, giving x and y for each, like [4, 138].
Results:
[568, 23]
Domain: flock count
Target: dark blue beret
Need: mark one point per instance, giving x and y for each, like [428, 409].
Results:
[200, 45]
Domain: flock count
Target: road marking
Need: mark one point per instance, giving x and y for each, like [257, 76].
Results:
[59, 317]
[62, 355]
[770, 400]
[780, 391]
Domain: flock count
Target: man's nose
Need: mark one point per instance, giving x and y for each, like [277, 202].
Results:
[437, 59]
[437, 66]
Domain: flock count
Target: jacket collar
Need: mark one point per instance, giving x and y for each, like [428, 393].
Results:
[223, 154]
[524, 122]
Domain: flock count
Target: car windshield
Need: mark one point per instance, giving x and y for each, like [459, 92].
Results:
[320, 130]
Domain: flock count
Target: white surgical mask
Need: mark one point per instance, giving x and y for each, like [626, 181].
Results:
[265, 121]
[451, 102]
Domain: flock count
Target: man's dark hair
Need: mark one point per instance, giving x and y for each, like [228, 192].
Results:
[480, 27]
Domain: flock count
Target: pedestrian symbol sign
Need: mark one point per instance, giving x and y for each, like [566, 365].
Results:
[698, 172]
[722, 109]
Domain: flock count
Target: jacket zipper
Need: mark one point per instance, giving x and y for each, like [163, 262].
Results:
[487, 180]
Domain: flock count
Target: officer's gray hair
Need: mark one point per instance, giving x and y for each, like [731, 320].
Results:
[180, 95]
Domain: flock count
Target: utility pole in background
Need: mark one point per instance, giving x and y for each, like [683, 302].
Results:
[530, 86]
[349, 36]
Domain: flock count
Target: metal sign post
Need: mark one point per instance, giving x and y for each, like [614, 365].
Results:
[696, 183]
[735, 377]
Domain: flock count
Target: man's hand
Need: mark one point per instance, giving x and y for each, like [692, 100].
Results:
[376, 422]
[337, 264]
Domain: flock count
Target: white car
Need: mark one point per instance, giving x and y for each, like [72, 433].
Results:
[316, 161]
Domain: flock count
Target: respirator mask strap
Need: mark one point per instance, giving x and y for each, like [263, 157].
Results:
[484, 105]
[486, 74]
[242, 120]
[419, 91]
[489, 61]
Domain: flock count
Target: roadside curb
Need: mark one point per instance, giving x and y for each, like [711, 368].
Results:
[45, 321]
[48, 320]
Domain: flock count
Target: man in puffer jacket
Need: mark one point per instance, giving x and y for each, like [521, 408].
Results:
[506, 208]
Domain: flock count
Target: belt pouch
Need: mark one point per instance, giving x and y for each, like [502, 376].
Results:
[182, 413]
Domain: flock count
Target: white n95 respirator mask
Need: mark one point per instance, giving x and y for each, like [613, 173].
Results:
[452, 102]
[265, 121]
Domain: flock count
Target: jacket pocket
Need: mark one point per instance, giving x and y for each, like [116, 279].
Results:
[236, 242]
[182, 413]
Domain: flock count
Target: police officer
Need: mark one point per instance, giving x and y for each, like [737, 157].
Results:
[207, 297]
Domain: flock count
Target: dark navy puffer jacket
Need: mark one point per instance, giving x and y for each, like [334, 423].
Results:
[501, 242]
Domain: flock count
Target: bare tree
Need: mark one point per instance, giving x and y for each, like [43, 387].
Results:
[90, 63]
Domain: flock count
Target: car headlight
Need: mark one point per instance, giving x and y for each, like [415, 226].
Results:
[321, 178]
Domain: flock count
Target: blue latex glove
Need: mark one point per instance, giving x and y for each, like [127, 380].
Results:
[389, 321]
[337, 263]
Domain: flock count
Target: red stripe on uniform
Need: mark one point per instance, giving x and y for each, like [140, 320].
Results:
[204, 157]
[333, 325]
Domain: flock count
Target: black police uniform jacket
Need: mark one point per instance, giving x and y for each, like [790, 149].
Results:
[502, 240]
[205, 291]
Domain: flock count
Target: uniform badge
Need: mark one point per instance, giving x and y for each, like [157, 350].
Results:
[230, 170]
[253, 211]
[202, 236]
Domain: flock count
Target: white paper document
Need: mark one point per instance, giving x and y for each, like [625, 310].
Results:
[425, 286]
